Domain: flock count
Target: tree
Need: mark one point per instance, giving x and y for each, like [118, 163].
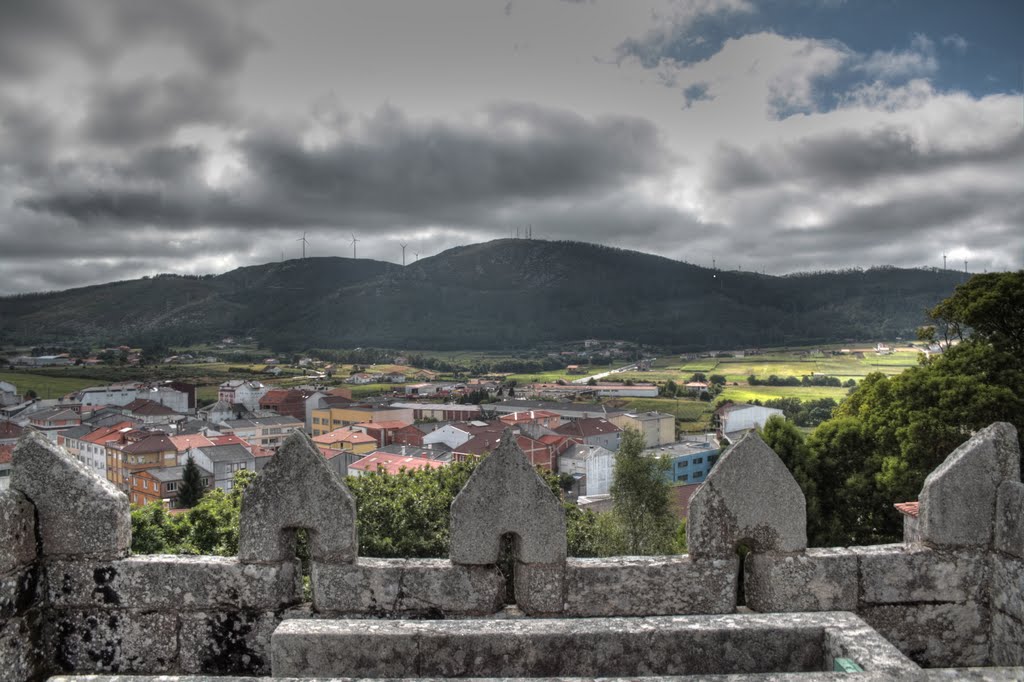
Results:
[640, 491]
[989, 306]
[191, 490]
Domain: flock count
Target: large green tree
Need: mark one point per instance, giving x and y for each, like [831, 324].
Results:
[191, 490]
[891, 432]
[640, 492]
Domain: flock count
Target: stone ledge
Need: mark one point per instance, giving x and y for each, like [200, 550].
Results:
[226, 643]
[17, 531]
[650, 586]
[667, 645]
[817, 580]
[1007, 638]
[424, 587]
[896, 574]
[182, 583]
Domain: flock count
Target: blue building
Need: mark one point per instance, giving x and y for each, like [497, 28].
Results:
[691, 462]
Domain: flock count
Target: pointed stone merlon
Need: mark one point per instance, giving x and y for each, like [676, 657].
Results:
[297, 490]
[79, 513]
[506, 495]
[958, 500]
[749, 498]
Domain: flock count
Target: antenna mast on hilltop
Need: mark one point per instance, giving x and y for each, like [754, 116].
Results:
[354, 241]
[304, 242]
[943, 261]
[403, 245]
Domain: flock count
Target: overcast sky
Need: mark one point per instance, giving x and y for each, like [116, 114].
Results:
[146, 136]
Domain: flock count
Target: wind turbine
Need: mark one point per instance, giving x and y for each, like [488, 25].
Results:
[416, 254]
[304, 242]
[354, 241]
[403, 245]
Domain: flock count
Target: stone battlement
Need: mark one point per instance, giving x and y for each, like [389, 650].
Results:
[73, 602]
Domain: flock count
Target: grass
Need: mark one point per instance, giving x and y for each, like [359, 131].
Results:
[687, 410]
[744, 394]
[45, 386]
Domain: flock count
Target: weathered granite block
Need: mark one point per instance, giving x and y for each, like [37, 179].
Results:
[19, 591]
[506, 495]
[1007, 588]
[181, 583]
[227, 642]
[584, 648]
[79, 513]
[410, 587]
[958, 500]
[895, 574]
[21, 657]
[650, 586]
[17, 531]
[934, 635]
[309, 648]
[748, 498]
[297, 489]
[540, 588]
[95, 640]
[1007, 640]
[1010, 518]
[817, 580]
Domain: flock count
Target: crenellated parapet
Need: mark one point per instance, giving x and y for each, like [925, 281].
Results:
[73, 601]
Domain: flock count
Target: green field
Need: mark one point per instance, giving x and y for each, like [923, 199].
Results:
[45, 386]
[744, 394]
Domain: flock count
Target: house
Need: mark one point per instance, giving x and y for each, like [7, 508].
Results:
[9, 394]
[452, 435]
[51, 420]
[71, 439]
[362, 378]
[92, 448]
[9, 432]
[267, 432]
[286, 402]
[390, 464]
[221, 411]
[440, 412]
[733, 420]
[6, 450]
[222, 461]
[689, 462]
[347, 438]
[592, 463]
[438, 451]
[150, 412]
[574, 369]
[393, 378]
[329, 418]
[383, 431]
[539, 453]
[408, 435]
[114, 395]
[136, 450]
[593, 431]
[696, 387]
[242, 391]
[569, 411]
[544, 418]
[657, 428]
[162, 485]
[61, 360]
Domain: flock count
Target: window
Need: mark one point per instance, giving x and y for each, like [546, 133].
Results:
[698, 460]
[683, 464]
[316, 420]
[684, 477]
[171, 487]
[145, 484]
[712, 459]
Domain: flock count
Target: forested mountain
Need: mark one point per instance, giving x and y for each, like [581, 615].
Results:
[500, 294]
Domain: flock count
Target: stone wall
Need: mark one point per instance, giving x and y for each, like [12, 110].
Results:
[73, 601]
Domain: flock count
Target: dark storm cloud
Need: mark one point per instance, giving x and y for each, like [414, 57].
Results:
[151, 108]
[34, 32]
[391, 168]
[27, 139]
[848, 158]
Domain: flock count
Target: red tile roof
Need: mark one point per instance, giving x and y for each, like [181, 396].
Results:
[108, 433]
[344, 435]
[392, 464]
[388, 424]
[908, 508]
[192, 440]
[584, 428]
[527, 416]
[10, 430]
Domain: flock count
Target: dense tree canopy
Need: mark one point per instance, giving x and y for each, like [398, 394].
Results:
[893, 431]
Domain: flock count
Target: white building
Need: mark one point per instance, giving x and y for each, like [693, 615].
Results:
[735, 419]
[594, 463]
[242, 391]
[8, 394]
[449, 434]
[117, 395]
